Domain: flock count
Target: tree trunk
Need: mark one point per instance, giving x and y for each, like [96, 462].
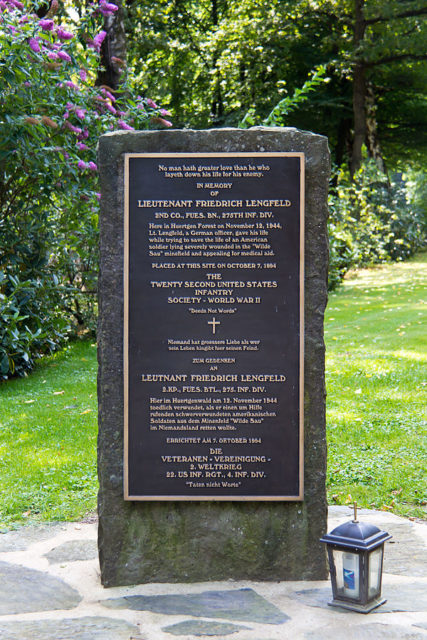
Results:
[113, 50]
[343, 146]
[359, 88]
[217, 108]
[372, 141]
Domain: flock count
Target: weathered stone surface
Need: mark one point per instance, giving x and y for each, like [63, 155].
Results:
[401, 597]
[370, 631]
[73, 551]
[191, 541]
[23, 590]
[205, 628]
[90, 628]
[19, 539]
[239, 604]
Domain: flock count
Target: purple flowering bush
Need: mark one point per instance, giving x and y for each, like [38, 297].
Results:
[51, 115]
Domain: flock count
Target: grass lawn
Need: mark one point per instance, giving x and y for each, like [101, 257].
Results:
[375, 334]
[376, 342]
[48, 429]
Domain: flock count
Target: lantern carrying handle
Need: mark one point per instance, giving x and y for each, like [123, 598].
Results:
[355, 520]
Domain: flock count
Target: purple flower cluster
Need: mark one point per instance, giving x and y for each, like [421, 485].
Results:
[107, 8]
[46, 24]
[110, 108]
[97, 41]
[123, 125]
[34, 45]
[87, 165]
[64, 56]
[79, 111]
[11, 4]
[107, 94]
[85, 106]
[63, 35]
[72, 127]
[71, 85]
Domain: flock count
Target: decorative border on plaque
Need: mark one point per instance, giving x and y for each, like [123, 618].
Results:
[214, 322]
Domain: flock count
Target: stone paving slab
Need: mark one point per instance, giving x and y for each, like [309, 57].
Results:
[400, 598]
[241, 604]
[203, 628]
[88, 628]
[405, 554]
[42, 572]
[19, 539]
[24, 590]
[374, 631]
[73, 551]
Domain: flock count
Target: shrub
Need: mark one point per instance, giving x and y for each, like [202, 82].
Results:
[371, 220]
[31, 322]
[51, 116]
[341, 254]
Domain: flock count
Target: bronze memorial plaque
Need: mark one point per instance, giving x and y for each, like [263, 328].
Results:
[213, 316]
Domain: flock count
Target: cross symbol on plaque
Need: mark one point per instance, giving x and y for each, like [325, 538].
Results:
[213, 322]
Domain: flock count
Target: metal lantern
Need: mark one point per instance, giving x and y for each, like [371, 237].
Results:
[355, 551]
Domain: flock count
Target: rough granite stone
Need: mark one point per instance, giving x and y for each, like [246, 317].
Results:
[24, 590]
[197, 541]
[89, 628]
[205, 628]
[73, 551]
[237, 604]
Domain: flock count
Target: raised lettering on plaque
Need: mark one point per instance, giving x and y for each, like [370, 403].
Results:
[213, 345]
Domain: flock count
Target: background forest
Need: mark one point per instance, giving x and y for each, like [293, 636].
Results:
[353, 70]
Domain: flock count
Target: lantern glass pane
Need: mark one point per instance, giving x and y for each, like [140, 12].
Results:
[347, 573]
[375, 568]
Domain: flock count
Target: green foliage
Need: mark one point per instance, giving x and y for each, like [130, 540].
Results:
[371, 221]
[416, 187]
[341, 254]
[277, 117]
[213, 61]
[226, 56]
[51, 116]
[31, 322]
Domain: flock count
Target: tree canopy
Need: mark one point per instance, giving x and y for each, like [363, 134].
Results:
[353, 70]
[211, 61]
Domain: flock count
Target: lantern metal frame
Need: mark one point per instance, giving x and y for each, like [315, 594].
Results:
[359, 539]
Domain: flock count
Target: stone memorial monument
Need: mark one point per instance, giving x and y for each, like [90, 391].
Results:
[213, 285]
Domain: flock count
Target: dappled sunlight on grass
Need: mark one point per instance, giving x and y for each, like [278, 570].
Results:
[378, 276]
[375, 332]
